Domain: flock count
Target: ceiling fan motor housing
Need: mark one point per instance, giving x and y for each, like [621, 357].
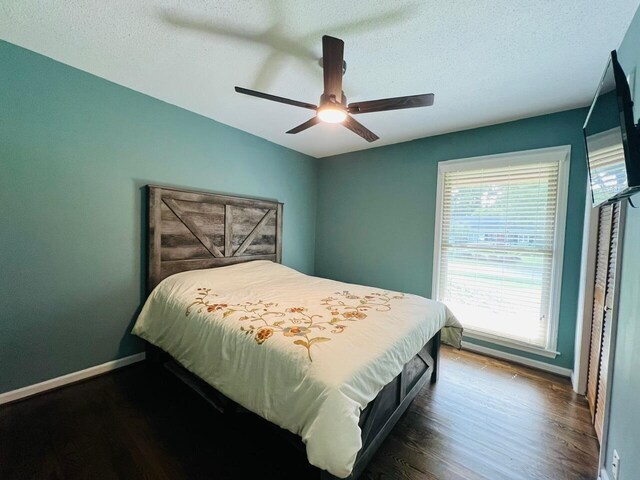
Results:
[326, 100]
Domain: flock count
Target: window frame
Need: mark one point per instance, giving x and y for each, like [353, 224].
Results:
[561, 154]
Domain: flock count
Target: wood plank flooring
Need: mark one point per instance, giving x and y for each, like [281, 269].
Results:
[485, 419]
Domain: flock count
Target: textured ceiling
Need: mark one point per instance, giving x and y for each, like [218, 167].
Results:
[486, 61]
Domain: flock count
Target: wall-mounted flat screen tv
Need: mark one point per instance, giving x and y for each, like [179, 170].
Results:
[611, 137]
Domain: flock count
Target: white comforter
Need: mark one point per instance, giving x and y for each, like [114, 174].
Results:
[306, 353]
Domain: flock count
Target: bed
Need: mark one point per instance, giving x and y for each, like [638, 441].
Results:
[334, 365]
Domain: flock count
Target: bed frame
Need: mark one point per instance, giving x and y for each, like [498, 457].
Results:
[190, 230]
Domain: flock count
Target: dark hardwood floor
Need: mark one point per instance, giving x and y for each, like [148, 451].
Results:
[485, 419]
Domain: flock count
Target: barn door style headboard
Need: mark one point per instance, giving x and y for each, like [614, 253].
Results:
[190, 230]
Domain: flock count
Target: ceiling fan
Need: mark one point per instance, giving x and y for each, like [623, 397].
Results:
[333, 106]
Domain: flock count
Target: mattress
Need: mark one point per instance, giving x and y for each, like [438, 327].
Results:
[305, 353]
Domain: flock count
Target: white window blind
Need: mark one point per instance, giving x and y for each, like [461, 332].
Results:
[497, 246]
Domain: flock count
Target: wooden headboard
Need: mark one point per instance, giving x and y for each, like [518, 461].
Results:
[193, 230]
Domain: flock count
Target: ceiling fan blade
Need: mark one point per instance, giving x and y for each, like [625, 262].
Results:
[332, 59]
[397, 103]
[359, 129]
[308, 124]
[274, 98]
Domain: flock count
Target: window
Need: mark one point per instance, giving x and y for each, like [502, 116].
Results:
[499, 244]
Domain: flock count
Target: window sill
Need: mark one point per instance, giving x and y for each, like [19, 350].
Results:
[504, 342]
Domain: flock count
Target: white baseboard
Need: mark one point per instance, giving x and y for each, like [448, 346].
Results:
[565, 372]
[603, 475]
[57, 382]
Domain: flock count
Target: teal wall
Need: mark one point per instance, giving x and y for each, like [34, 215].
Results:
[624, 429]
[75, 152]
[376, 208]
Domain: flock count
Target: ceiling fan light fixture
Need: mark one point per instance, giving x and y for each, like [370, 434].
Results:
[332, 115]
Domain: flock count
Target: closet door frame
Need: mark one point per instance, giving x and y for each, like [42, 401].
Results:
[580, 372]
[585, 310]
[612, 337]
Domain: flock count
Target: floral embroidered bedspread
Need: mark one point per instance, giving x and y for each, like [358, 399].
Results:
[306, 353]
